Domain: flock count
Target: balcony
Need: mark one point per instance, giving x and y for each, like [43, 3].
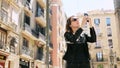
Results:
[41, 3]
[97, 47]
[27, 31]
[12, 49]
[7, 22]
[26, 52]
[42, 38]
[27, 7]
[40, 19]
[100, 61]
[39, 36]
[4, 47]
[27, 28]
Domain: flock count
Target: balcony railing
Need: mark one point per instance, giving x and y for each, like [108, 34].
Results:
[27, 4]
[27, 51]
[102, 60]
[27, 27]
[41, 36]
[35, 33]
[12, 49]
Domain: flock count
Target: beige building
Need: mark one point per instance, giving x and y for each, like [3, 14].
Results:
[105, 52]
[22, 33]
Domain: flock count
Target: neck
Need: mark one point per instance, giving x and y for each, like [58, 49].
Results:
[74, 29]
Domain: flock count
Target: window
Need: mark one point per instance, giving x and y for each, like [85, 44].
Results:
[28, 1]
[97, 21]
[40, 29]
[40, 53]
[109, 32]
[99, 56]
[39, 10]
[27, 19]
[25, 42]
[108, 21]
[3, 36]
[110, 43]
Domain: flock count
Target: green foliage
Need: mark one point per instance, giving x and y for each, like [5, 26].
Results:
[100, 66]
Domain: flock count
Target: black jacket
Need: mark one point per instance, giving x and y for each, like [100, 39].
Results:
[77, 47]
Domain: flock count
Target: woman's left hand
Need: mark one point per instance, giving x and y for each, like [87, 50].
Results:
[89, 21]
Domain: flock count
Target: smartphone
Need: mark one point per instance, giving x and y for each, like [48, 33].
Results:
[86, 15]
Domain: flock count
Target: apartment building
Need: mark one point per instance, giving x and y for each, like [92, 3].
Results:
[105, 52]
[22, 33]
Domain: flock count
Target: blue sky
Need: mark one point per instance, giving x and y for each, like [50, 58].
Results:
[71, 7]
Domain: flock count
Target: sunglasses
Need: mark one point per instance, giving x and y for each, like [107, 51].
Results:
[74, 19]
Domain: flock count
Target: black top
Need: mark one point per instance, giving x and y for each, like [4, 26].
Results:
[77, 47]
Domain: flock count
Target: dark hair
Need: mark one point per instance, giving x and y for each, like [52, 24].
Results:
[68, 28]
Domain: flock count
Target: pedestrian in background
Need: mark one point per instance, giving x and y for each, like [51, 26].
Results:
[77, 54]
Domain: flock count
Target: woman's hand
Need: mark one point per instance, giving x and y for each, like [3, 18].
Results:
[86, 20]
[89, 21]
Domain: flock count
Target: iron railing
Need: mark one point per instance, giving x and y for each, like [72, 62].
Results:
[27, 27]
[41, 36]
[27, 51]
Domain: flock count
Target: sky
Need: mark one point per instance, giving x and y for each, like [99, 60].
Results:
[71, 7]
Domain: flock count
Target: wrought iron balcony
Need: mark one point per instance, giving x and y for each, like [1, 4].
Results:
[27, 51]
[4, 47]
[102, 60]
[41, 36]
[12, 49]
[27, 4]
[35, 33]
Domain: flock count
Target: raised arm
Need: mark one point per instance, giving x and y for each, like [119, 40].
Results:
[91, 38]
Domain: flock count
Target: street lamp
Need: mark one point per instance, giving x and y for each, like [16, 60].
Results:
[111, 58]
[47, 34]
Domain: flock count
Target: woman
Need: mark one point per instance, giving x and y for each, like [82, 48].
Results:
[77, 54]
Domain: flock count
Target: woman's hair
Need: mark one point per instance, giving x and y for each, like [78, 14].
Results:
[68, 28]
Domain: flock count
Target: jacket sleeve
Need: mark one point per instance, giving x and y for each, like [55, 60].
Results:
[72, 37]
[69, 37]
[91, 38]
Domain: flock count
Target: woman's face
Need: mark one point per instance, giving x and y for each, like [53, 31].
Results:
[74, 22]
